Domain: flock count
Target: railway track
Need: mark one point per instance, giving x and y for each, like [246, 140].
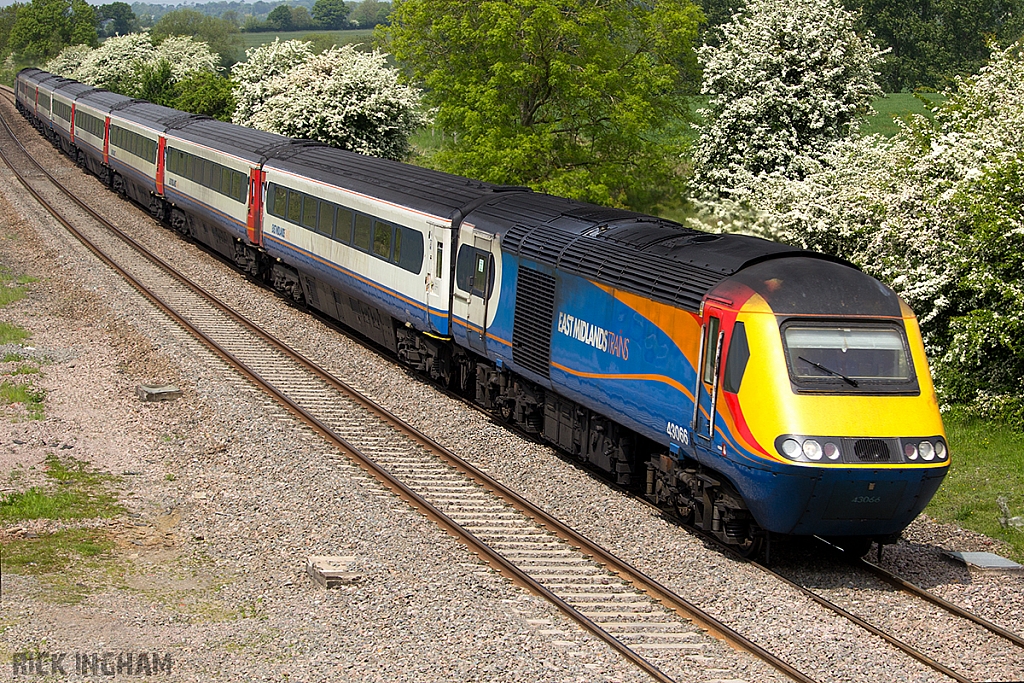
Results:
[643, 620]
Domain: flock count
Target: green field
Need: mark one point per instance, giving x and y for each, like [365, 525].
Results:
[364, 36]
[987, 462]
[897, 105]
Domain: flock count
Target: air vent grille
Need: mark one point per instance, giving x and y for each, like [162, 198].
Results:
[531, 332]
[872, 450]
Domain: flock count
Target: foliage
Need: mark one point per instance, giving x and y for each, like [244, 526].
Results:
[932, 41]
[370, 13]
[343, 98]
[575, 98]
[116, 19]
[207, 94]
[222, 36]
[45, 27]
[331, 14]
[789, 77]
[937, 211]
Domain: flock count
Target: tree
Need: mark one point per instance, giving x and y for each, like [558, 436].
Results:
[45, 27]
[370, 13]
[116, 19]
[206, 93]
[280, 18]
[114, 65]
[933, 41]
[937, 212]
[344, 98]
[331, 14]
[575, 98]
[222, 36]
[789, 77]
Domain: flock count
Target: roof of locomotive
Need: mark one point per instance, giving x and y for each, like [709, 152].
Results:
[644, 255]
[433, 192]
[803, 286]
[247, 143]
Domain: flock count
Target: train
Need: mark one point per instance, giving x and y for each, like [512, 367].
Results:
[753, 389]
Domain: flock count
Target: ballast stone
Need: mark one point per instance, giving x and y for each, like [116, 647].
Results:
[167, 392]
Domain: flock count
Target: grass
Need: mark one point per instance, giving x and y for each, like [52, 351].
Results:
[987, 462]
[82, 493]
[12, 288]
[25, 394]
[898, 105]
[74, 491]
[12, 334]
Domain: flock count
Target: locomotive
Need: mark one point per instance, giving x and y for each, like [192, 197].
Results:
[749, 387]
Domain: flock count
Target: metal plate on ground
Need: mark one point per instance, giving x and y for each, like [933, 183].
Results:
[987, 562]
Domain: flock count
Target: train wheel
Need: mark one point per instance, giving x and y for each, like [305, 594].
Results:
[751, 546]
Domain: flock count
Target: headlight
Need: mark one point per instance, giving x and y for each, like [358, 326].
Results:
[927, 450]
[831, 451]
[910, 450]
[812, 449]
[791, 449]
[940, 450]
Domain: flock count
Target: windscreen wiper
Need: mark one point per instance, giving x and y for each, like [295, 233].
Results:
[849, 380]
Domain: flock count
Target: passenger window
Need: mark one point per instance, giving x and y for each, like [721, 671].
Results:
[382, 240]
[238, 186]
[396, 255]
[343, 226]
[309, 212]
[325, 226]
[363, 232]
[710, 346]
[736, 363]
[279, 201]
[294, 206]
[208, 173]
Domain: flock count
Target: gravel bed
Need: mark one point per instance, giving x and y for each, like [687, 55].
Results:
[240, 502]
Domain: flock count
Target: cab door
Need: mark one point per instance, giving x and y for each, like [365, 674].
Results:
[480, 292]
[708, 376]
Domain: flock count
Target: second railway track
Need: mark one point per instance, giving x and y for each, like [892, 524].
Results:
[608, 599]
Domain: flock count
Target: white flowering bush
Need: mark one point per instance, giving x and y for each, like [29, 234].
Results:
[344, 98]
[121, 62]
[68, 60]
[937, 212]
[261, 65]
[787, 78]
[187, 57]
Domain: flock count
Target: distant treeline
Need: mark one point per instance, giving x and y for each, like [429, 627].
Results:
[269, 16]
